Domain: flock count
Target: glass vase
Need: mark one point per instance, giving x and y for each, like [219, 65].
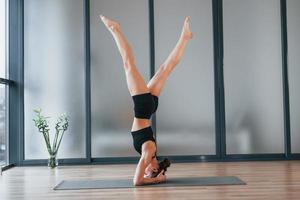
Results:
[52, 161]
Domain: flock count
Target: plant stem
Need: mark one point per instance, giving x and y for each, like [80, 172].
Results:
[47, 143]
[59, 141]
[55, 140]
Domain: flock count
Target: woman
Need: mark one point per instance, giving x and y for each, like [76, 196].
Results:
[145, 98]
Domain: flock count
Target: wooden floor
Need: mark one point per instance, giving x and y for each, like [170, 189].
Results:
[265, 180]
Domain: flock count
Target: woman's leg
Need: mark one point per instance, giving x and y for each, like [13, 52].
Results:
[157, 82]
[135, 82]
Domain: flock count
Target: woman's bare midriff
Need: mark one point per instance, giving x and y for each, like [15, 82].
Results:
[139, 124]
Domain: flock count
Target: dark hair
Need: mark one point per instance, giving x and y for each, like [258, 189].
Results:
[163, 165]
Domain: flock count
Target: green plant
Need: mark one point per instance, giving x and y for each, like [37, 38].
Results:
[61, 126]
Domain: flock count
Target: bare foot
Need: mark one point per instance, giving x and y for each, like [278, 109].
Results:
[186, 32]
[110, 24]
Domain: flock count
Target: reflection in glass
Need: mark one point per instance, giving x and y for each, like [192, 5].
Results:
[185, 115]
[3, 88]
[293, 27]
[112, 107]
[3, 35]
[3, 125]
[253, 77]
[54, 71]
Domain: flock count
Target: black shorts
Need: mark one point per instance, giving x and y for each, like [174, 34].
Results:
[144, 105]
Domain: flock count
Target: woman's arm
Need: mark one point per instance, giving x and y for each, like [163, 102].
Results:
[139, 178]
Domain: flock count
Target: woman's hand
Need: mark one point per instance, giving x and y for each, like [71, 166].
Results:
[161, 177]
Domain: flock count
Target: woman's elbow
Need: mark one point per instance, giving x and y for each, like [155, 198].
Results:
[137, 182]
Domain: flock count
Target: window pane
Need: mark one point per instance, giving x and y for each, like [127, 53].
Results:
[3, 125]
[112, 107]
[185, 116]
[293, 23]
[54, 59]
[3, 88]
[253, 77]
[3, 40]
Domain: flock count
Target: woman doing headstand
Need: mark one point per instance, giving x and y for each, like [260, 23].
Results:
[145, 98]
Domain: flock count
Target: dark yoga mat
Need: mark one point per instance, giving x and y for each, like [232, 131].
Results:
[171, 182]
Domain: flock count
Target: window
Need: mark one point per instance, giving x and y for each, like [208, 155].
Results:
[3, 85]
[252, 77]
[54, 73]
[293, 24]
[3, 125]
